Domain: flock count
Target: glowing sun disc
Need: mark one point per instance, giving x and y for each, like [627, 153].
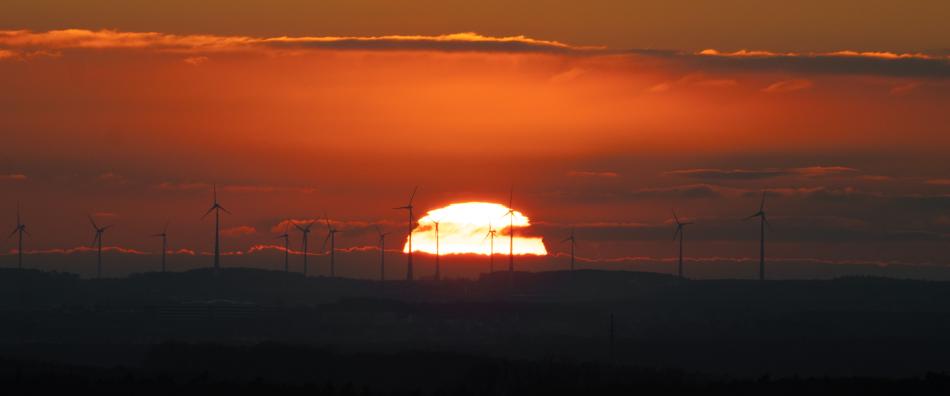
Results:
[463, 229]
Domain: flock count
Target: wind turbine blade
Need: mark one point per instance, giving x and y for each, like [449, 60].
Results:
[413, 195]
[26, 232]
[747, 218]
[15, 230]
[299, 227]
[511, 197]
[767, 224]
[107, 227]
[165, 229]
[677, 232]
[93, 222]
[325, 240]
[327, 217]
[378, 231]
[209, 212]
[225, 210]
[762, 204]
[677, 219]
[94, 240]
[18, 213]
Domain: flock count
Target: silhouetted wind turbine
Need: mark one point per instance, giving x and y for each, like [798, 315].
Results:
[763, 221]
[382, 253]
[216, 208]
[286, 237]
[331, 236]
[438, 272]
[491, 252]
[573, 241]
[19, 231]
[511, 231]
[306, 236]
[97, 242]
[164, 236]
[409, 256]
[679, 232]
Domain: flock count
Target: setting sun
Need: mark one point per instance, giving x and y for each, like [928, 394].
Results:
[463, 228]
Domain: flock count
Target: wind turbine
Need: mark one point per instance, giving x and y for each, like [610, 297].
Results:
[409, 256]
[438, 254]
[97, 242]
[573, 245]
[306, 235]
[286, 237]
[331, 236]
[679, 233]
[763, 221]
[382, 253]
[216, 208]
[164, 236]
[19, 231]
[491, 252]
[511, 232]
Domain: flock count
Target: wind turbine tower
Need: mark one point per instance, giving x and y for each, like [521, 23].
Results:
[19, 231]
[763, 222]
[164, 236]
[491, 252]
[286, 237]
[331, 236]
[216, 208]
[409, 207]
[679, 232]
[438, 268]
[511, 232]
[97, 242]
[305, 230]
[382, 254]
[573, 241]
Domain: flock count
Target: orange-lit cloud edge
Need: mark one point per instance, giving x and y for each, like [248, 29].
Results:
[21, 43]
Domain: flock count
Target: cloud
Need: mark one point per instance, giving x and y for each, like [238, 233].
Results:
[567, 76]
[693, 79]
[877, 178]
[758, 174]
[939, 182]
[13, 177]
[595, 174]
[695, 191]
[238, 231]
[25, 44]
[903, 89]
[196, 60]
[105, 214]
[792, 85]
[237, 188]
[111, 177]
[349, 226]
[83, 249]
[112, 39]
[839, 62]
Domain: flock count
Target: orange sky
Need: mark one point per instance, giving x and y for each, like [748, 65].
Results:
[602, 136]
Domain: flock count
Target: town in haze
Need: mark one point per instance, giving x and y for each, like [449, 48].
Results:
[374, 197]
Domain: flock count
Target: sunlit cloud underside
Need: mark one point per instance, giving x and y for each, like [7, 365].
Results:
[463, 228]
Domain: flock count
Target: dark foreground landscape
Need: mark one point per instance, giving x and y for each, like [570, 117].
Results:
[534, 333]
